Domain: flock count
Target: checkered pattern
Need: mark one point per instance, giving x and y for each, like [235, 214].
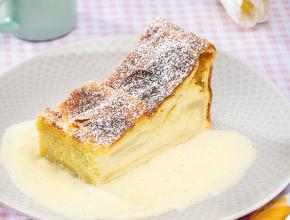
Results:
[267, 46]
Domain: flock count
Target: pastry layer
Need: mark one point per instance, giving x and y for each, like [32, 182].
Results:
[157, 97]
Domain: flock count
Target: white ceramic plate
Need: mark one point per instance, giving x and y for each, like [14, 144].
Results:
[243, 100]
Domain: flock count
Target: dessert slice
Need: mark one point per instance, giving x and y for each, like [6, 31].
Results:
[157, 97]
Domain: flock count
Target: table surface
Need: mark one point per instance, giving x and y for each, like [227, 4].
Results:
[266, 47]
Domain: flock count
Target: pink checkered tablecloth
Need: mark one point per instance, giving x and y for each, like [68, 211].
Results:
[267, 46]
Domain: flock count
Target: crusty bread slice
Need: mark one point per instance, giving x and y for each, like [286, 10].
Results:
[159, 96]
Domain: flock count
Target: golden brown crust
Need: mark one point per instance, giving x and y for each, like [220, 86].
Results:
[100, 114]
[163, 58]
[96, 114]
[83, 99]
[210, 95]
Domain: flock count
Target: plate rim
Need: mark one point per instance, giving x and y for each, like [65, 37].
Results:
[131, 37]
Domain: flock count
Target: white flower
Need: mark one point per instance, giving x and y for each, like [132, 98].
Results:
[247, 13]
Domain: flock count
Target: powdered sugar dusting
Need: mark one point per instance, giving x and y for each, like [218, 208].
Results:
[106, 122]
[96, 114]
[100, 114]
[164, 56]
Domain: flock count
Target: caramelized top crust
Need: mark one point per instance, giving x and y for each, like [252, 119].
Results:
[96, 114]
[101, 114]
[163, 58]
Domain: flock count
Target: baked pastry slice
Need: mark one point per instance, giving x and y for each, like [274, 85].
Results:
[157, 97]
